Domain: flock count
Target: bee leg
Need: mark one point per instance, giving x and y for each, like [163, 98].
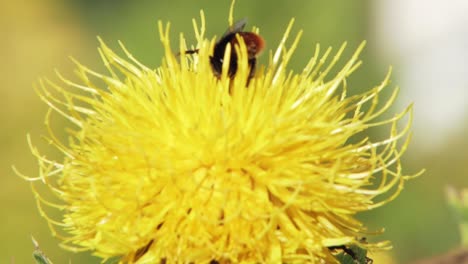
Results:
[191, 51]
[252, 66]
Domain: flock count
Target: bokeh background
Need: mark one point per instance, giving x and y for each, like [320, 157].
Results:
[425, 40]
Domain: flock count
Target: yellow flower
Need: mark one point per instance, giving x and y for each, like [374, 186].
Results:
[176, 165]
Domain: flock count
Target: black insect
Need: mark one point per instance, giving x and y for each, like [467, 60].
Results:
[357, 254]
[254, 43]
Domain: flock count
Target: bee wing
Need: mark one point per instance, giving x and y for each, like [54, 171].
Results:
[236, 27]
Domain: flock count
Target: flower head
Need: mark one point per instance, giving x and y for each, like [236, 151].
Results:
[177, 165]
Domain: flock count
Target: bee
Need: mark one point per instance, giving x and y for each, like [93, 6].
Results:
[254, 43]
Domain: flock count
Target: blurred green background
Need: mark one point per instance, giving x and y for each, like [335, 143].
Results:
[39, 36]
